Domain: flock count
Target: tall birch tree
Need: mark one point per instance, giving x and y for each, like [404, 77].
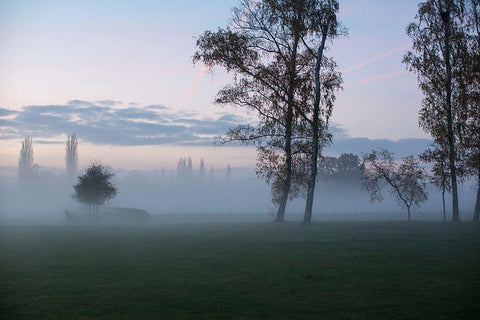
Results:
[442, 57]
[268, 49]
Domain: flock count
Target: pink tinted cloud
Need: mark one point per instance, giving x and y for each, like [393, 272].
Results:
[192, 88]
[380, 77]
[195, 88]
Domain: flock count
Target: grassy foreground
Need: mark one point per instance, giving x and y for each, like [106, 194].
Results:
[241, 271]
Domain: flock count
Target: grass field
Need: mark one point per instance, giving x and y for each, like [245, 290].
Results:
[241, 271]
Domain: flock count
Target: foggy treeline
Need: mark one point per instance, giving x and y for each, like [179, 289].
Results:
[190, 193]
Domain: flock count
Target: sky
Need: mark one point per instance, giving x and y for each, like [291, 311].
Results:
[120, 75]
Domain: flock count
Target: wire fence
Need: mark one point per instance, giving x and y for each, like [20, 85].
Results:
[268, 217]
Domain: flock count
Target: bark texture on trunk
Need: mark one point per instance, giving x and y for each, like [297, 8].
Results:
[443, 206]
[96, 211]
[288, 167]
[476, 214]
[450, 124]
[288, 179]
[288, 133]
[315, 132]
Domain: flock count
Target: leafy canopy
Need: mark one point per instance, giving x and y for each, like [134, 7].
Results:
[96, 186]
[407, 180]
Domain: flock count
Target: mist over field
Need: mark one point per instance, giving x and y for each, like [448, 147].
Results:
[219, 197]
[240, 159]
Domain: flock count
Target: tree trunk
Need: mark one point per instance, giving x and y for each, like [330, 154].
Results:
[288, 167]
[476, 214]
[288, 179]
[283, 203]
[450, 125]
[408, 211]
[443, 206]
[96, 212]
[288, 133]
[315, 133]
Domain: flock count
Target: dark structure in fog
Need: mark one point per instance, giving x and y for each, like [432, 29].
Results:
[107, 215]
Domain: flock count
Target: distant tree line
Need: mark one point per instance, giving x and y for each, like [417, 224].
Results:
[96, 186]
[347, 167]
[185, 171]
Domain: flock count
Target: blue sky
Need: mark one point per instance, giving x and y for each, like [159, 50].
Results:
[136, 54]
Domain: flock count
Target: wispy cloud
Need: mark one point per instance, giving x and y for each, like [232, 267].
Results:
[375, 59]
[193, 87]
[380, 77]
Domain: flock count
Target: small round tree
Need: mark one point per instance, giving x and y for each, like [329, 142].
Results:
[95, 187]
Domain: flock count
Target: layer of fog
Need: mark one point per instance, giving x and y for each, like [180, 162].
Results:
[216, 196]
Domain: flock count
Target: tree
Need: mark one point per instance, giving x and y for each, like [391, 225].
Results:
[95, 187]
[327, 167]
[471, 145]
[270, 165]
[473, 162]
[185, 170]
[470, 142]
[406, 180]
[272, 158]
[201, 171]
[228, 173]
[26, 167]
[262, 55]
[441, 57]
[266, 49]
[71, 155]
[471, 148]
[189, 168]
[347, 167]
[211, 174]
[181, 169]
[440, 174]
[328, 27]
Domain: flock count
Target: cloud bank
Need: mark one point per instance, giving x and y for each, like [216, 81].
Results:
[110, 122]
[114, 123]
[400, 148]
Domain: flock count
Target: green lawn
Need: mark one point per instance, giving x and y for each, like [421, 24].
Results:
[241, 271]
